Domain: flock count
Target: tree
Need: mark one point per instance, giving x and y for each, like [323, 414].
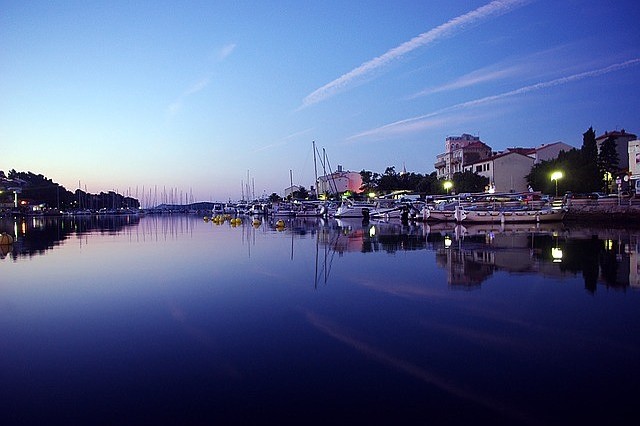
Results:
[428, 184]
[300, 194]
[369, 180]
[608, 160]
[389, 181]
[274, 198]
[570, 163]
[469, 181]
[590, 146]
[590, 172]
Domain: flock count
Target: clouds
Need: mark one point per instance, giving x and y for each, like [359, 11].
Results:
[284, 141]
[197, 87]
[448, 29]
[471, 79]
[421, 122]
[226, 51]
[201, 84]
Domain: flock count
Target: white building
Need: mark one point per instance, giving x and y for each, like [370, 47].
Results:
[506, 171]
[622, 139]
[340, 181]
[546, 152]
[634, 163]
[290, 190]
[460, 151]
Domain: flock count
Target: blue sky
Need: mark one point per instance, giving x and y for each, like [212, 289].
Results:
[196, 95]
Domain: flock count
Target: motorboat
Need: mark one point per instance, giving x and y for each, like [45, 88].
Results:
[350, 208]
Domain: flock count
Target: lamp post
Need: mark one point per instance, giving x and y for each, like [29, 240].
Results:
[448, 185]
[555, 176]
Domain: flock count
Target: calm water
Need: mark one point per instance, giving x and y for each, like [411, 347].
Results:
[174, 320]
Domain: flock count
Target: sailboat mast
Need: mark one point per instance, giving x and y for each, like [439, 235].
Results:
[315, 167]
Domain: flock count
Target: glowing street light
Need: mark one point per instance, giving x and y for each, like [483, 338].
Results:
[556, 254]
[555, 176]
[448, 185]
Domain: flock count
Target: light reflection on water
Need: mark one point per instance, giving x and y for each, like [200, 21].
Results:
[176, 320]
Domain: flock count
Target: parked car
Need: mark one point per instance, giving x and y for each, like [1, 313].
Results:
[596, 195]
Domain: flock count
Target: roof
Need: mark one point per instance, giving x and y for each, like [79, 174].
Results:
[523, 151]
[499, 155]
[548, 145]
[616, 134]
[476, 144]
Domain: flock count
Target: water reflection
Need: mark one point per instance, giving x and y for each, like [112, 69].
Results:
[37, 234]
[228, 315]
[608, 256]
[470, 254]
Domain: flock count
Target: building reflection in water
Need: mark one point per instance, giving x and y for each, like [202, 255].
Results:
[472, 254]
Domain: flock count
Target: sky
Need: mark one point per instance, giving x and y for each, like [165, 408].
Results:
[216, 100]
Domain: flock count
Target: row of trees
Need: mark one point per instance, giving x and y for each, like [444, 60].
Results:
[40, 189]
[390, 180]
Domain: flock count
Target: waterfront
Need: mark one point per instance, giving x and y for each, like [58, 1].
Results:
[171, 319]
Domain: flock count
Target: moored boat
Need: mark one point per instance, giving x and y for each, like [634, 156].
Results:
[515, 215]
[350, 208]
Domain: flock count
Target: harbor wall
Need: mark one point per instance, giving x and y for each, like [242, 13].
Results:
[621, 211]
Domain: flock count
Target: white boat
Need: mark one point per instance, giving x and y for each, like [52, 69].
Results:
[388, 209]
[284, 209]
[229, 208]
[434, 215]
[442, 212]
[331, 208]
[258, 209]
[242, 209]
[516, 215]
[350, 208]
[218, 209]
[309, 209]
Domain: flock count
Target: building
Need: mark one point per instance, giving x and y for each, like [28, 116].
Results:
[622, 139]
[543, 152]
[459, 152]
[546, 152]
[634, 163]
[339, 182]
[288, 192]
[506, 171]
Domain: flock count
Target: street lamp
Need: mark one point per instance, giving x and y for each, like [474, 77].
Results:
[448, 185]
[555, 176]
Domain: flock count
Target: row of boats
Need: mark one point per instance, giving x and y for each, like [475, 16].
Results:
[469, 208]
[484, 208]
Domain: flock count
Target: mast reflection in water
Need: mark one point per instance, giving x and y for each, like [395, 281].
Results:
[176, 320]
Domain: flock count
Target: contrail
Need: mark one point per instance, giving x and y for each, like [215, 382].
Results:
[552, 83]
[448, 29]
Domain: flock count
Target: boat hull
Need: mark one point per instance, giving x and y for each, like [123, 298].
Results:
[509, 216]
[460, 214]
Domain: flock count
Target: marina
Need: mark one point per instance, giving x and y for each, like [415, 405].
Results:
[241, 213]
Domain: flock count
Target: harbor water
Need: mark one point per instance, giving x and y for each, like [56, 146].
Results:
[171, 319]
